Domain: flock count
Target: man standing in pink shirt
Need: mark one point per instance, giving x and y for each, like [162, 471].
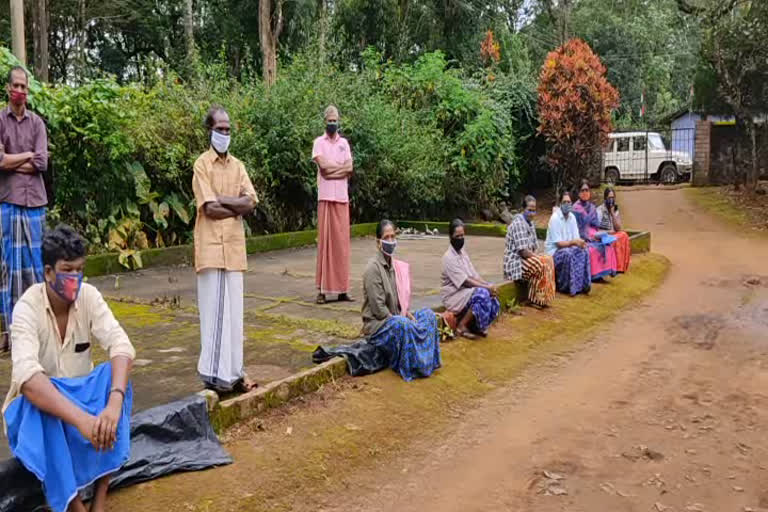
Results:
[333, 157]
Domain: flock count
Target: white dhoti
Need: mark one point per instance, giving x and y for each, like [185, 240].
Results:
[220, 302]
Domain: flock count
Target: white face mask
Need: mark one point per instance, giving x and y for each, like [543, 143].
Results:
[220, 142]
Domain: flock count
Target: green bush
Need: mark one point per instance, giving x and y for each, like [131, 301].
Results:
[427, 142]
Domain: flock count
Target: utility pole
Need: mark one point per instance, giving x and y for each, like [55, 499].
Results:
[17, 31]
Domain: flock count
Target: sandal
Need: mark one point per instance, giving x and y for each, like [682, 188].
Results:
[320, 299]
[244, 385]
[465, 334]
[344, 297]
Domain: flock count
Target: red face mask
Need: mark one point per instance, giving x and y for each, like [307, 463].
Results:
[18, 98]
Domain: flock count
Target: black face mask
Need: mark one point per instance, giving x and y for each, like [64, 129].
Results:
[457, 243]
[331, 128]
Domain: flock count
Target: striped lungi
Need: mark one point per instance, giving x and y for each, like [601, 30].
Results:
[539, 272]
[21, 259]
[220, 302]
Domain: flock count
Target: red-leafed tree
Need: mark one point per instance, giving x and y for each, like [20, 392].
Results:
[575, 105]
[490, 51]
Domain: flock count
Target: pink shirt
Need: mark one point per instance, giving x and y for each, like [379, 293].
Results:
[337, 150]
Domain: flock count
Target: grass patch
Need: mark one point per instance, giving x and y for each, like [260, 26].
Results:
[747, 212]
[719, 204]
[371, 420]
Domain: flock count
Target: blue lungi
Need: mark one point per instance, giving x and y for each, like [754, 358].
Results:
[55, 452]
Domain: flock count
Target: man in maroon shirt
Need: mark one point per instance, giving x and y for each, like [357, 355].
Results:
[23, 159]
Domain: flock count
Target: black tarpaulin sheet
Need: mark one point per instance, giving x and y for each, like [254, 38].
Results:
[166, 439]
[362, 357]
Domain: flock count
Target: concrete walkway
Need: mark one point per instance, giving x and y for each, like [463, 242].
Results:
[283, 326]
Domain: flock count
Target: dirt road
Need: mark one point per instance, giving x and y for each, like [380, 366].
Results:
[664, 411]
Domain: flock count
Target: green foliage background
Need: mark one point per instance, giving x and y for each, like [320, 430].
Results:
[428, 140]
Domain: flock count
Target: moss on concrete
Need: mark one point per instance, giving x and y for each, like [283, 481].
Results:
[329, 327]
[640, 242]
[382, 416]
[138, 315]
[229, 412]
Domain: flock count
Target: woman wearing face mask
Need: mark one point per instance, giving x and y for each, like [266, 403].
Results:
[521, 263]
[610, 221]
[411, 341]
[465, 294]
[602, 255]
[569, 251]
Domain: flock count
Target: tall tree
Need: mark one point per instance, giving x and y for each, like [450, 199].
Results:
[270, 28]
[41, 39]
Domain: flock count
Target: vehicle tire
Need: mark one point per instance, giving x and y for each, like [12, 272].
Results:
[612, 176]
[668, 174]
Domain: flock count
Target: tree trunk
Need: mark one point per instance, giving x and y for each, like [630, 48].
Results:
[41, 40]
[18, 41]
[323, 28]
[189, 36]
[81, 41]
[753, 173]
[269, 33]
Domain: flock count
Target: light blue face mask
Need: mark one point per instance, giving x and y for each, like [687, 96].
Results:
[566, 208]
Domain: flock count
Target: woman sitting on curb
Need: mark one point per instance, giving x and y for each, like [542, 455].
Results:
[610, 221]
[602, 254]
[465, 294]
[564, 244]
[411, 341]
[522, 263]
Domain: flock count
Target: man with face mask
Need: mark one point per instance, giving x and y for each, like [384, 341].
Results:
[67, 422]
[224, 194]
[23, 159]
[333, 157]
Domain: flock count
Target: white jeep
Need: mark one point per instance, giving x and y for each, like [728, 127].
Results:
[634, 156]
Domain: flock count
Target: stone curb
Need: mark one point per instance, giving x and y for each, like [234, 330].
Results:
[103, 264]
[225, 413]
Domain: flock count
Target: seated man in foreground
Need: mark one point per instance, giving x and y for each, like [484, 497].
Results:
[84, 435]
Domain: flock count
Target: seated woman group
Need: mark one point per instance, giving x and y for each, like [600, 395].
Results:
[583, 245]
[584, 241]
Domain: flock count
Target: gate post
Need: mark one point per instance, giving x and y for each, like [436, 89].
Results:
[702, 154]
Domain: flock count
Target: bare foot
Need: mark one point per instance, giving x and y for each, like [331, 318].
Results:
[76, 505]
[99, 501]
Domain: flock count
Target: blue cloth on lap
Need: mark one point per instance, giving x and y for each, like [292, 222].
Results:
[55, 452]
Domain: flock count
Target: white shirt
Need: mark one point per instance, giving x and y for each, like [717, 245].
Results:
[560, 229]
[39, 348]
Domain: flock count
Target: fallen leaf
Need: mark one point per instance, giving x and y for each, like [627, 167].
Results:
[352, 427]
[738, 489]
[289, 431]
[556, 490]
[553, 476]
[695, 507]
[659, 507]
